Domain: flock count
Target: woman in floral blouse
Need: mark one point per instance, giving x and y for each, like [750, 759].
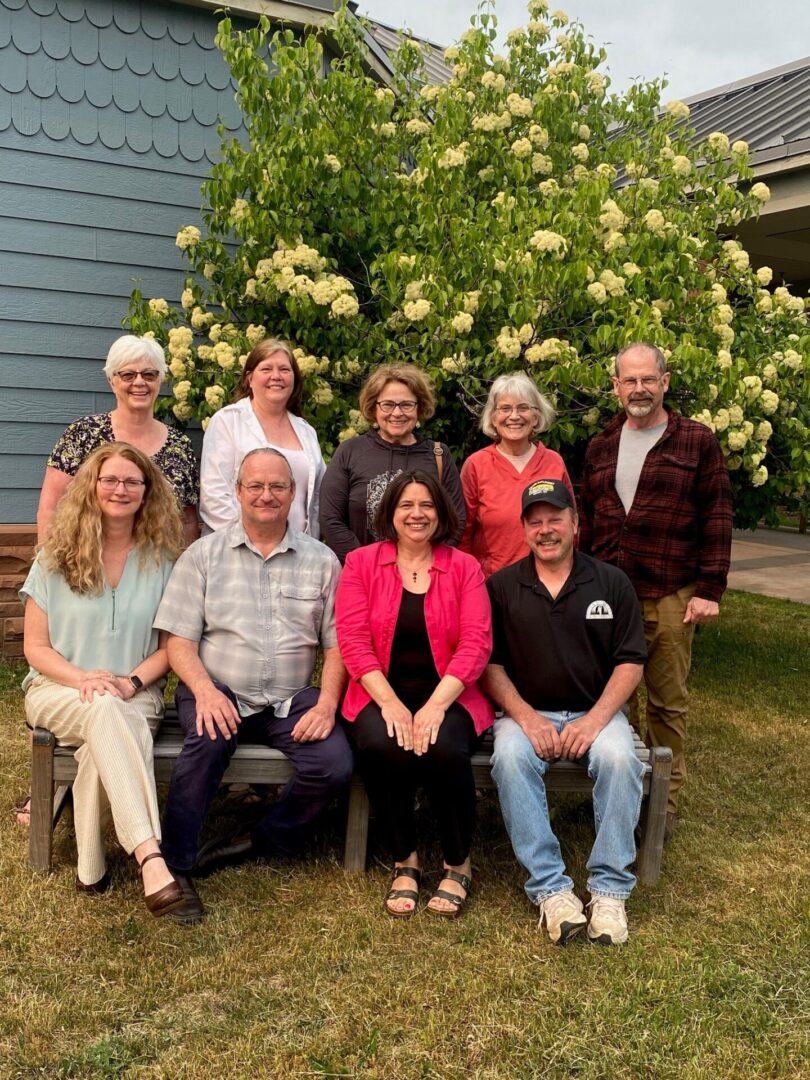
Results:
[135, 368]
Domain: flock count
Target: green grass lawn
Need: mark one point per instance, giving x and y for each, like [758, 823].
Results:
[297, 972]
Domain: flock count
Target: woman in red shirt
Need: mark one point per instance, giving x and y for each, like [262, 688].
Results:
[414, 631]
[493, 479]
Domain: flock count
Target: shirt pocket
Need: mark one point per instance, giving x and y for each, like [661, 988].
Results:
[302, 608]
[675, 480]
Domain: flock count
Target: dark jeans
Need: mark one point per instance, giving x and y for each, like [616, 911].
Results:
[392, 775]
[322, 770]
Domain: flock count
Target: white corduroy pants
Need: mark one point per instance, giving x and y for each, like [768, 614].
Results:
[114, 757]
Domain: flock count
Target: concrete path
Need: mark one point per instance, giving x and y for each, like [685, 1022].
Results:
[771, 563]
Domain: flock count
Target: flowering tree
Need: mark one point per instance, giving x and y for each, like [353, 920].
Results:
[518, 217]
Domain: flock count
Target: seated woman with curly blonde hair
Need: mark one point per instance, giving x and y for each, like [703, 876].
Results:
[97, 666]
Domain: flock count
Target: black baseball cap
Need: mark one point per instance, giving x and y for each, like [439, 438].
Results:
[554, 492]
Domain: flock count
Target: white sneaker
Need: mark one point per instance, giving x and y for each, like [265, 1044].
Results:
[564, 916]
[608, 922]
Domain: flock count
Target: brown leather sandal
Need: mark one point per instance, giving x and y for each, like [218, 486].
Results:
[166, 899]
[458, 901]
[403, 894]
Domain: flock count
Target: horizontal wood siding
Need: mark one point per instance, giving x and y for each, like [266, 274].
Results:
[102, 158]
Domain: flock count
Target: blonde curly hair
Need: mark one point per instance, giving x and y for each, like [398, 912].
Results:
[75, 542]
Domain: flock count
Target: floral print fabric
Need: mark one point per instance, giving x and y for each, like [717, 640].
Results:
[175, 459]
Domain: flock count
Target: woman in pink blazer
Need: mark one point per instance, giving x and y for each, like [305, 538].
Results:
[414, 630]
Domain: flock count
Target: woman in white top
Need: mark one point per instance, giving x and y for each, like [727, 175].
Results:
[266, 412]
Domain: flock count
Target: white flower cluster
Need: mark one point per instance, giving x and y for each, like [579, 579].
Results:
[519, 106]
[678, 109]
[544, 240]
[454, 156]
[417, 310]
[761, 192]
[255, 333]
[542, 164]
[508, 342]
[655, 222]
[187, 299]
[159, 307]
[493, 80]
[332, 163]
[189, 236]
[521, 148]
[200, 319]
[417, 127]
[718, 142]
[462, 323]
[239, 209]
[215, 395]
[492, 121]
[580, 152]
[455, 364]
[550, 349]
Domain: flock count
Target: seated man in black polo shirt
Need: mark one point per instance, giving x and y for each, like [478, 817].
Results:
[568, 652]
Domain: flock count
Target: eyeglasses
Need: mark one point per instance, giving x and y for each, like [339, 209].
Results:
[647, 381]
[255, 489]
[110, 483]
[521, 410]
[405, 407]
[148, 376]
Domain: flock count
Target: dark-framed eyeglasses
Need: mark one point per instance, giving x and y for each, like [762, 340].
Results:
[405, 407]
[110, 483]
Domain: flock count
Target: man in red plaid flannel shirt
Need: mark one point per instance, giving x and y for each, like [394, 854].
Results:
[656, 502]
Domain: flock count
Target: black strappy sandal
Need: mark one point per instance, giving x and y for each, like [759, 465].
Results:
[457, 901]
[403, 894]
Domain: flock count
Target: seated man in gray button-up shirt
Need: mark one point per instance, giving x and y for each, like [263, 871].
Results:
[247, 608]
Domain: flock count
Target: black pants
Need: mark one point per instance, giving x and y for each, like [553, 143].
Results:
[392, 775]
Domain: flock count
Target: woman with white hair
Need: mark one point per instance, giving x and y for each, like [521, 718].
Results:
[493, 479]
[135, 368]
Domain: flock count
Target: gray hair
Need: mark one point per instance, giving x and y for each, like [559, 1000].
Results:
[519, 385]
[646, 346]
[129, 348]
[264, 450]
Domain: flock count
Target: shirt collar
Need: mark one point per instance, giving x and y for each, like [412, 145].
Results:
[237, 537]
[580, 572]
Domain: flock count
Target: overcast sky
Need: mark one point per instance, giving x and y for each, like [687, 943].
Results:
[697, 44]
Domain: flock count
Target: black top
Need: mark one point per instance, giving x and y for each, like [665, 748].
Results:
[560, 653]
[411, 671]
[355, 481]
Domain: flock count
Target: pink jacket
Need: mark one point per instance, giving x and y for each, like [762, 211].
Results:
[457, 617]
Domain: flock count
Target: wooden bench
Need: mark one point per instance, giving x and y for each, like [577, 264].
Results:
[53, 770]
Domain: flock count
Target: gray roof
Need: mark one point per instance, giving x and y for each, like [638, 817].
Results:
[771, 111]
[435, 67]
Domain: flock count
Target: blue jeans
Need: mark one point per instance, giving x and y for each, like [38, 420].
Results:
[616, 771]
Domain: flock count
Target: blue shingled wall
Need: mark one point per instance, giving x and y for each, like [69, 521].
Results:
[108, 114]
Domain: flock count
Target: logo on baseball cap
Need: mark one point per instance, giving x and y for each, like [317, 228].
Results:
[553, 492]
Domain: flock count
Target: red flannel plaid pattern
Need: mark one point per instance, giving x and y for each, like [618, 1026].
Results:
[678, 530]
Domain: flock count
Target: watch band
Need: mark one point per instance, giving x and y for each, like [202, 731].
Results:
[136, 682]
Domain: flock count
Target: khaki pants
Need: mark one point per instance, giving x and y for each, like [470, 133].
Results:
[114, 758]
[669, 657]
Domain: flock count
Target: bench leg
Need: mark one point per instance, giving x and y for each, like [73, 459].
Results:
[354, 855]
[652, 845]
[40, 840]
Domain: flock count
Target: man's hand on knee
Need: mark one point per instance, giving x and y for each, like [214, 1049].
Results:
[578, 736]
[216, 712]
[541, 733]
[315, 724]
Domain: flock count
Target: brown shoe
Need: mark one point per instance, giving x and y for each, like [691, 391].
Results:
[166, 899]
[670, 825]
[97, 888]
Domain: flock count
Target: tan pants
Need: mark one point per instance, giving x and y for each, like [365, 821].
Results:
[114, 757]
[669, 657]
